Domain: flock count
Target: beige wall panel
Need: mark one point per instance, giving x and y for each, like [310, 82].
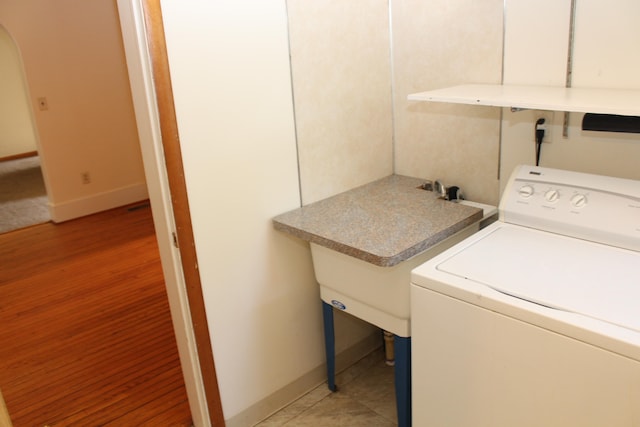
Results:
[437, 44]
[605, 55]
[342, 91]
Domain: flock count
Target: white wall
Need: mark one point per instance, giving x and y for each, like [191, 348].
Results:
[16, 128]
[606, 55]
[72, 54]
[231, 83]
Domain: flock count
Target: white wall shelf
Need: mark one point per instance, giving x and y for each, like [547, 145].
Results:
[603, 101]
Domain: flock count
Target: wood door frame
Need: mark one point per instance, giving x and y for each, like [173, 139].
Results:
[180, 205]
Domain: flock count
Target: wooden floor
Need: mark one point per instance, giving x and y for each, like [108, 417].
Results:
[85, 332]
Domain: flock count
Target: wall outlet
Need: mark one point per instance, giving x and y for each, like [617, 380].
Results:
[548, 117]
[86, 177]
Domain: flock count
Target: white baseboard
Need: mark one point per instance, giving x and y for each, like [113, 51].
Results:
[99, 202]
[304, 384]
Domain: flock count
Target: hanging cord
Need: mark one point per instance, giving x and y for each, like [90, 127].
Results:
[539, 137]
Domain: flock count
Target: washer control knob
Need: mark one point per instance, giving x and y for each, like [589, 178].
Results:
[552, 196]
[579, 200]
[526, 191]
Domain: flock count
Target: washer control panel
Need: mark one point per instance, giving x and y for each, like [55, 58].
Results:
[593, 207]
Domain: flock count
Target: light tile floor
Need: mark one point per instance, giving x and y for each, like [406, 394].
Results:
[365, 397]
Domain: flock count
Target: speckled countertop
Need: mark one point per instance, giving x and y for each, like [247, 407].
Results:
[384, 222]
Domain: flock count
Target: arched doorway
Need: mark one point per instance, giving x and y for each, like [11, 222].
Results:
[23, 195]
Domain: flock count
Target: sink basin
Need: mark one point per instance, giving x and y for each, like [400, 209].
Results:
[378, 295]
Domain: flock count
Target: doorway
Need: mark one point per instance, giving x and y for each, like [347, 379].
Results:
[23, 195]
[62, 146]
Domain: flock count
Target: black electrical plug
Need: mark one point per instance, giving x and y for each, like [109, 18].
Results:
[540, 128]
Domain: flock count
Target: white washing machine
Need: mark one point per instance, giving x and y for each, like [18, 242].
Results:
[535, 320]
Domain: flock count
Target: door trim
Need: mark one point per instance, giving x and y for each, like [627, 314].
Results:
[145, 48]
[180, 203]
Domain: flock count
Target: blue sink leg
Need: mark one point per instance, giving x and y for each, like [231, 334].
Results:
[329, 345]
[402, 347]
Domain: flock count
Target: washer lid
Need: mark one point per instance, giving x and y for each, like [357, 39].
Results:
[594, 280]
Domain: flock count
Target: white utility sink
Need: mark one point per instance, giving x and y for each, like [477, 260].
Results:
[378, 295]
